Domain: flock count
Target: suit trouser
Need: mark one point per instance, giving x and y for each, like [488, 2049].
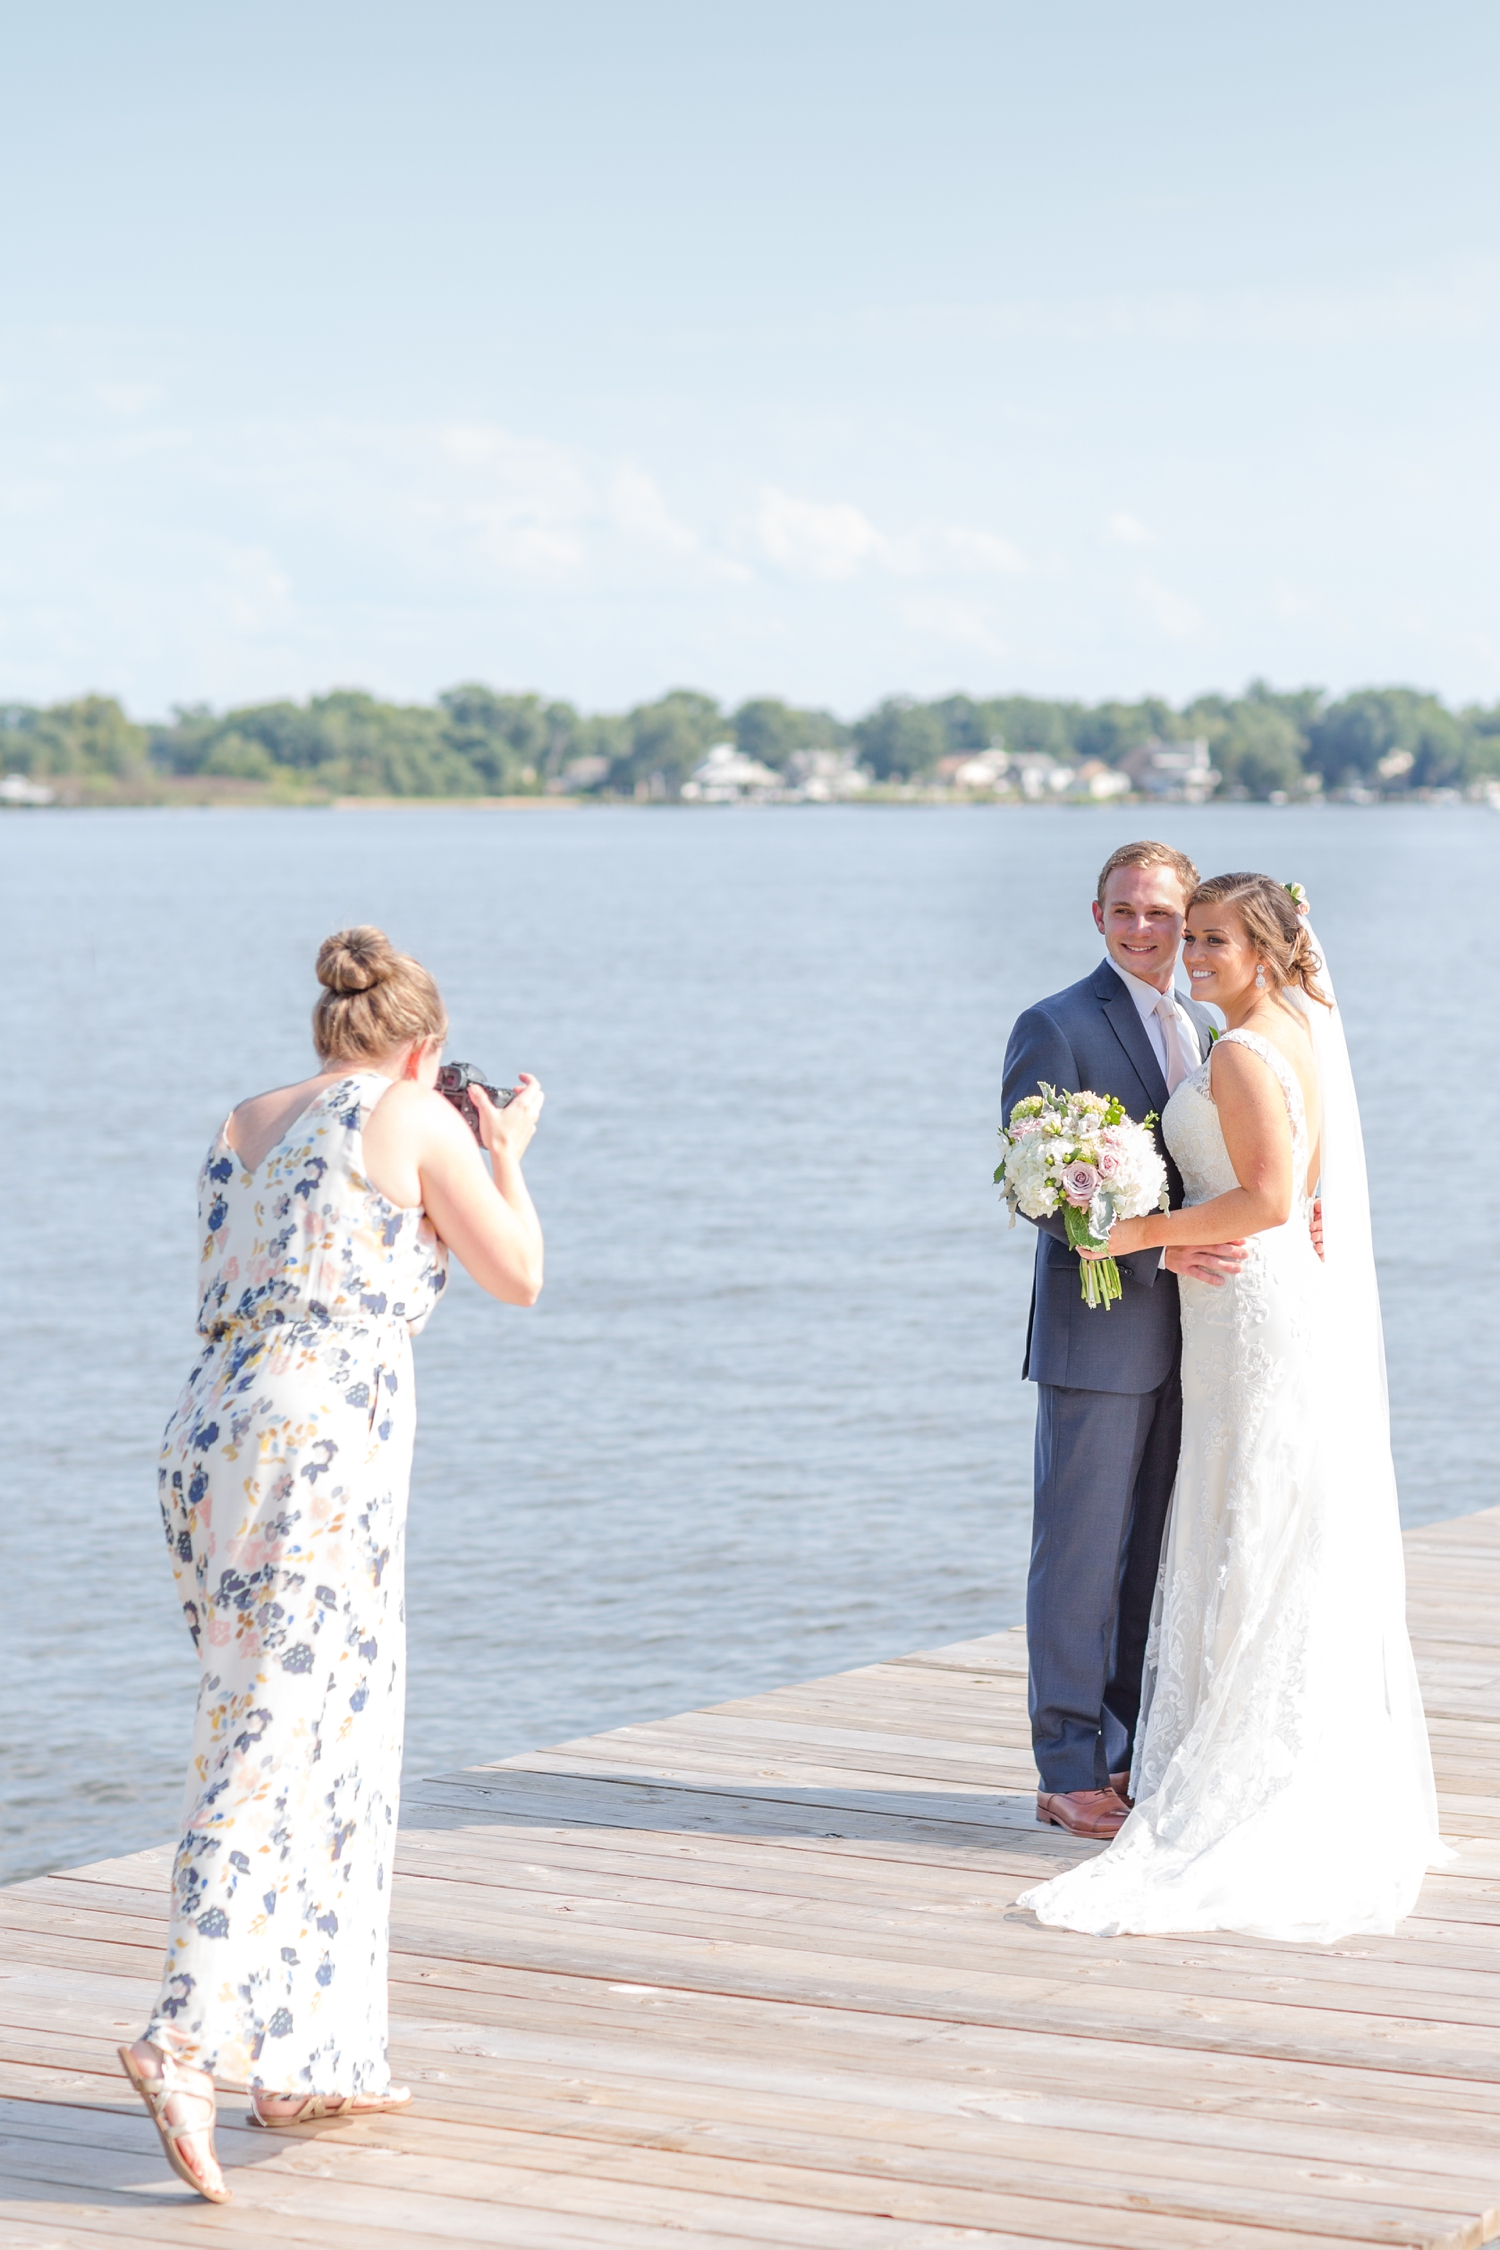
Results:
[1106, 1462]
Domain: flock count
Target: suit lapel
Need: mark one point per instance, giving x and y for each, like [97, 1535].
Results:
[1127, 1027]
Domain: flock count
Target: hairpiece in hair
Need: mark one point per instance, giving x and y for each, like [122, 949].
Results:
[1298, 897]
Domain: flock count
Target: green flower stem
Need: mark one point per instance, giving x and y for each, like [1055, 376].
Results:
[1100, 1277]
[1101, 1282]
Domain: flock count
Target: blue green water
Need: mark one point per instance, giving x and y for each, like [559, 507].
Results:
[766, 1420]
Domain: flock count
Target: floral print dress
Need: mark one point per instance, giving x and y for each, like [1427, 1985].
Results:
[283, 1480]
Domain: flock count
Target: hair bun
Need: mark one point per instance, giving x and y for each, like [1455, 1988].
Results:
[355, 960]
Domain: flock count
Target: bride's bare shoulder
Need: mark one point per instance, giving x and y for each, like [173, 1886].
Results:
[1288, 1033]
[1288, 1038]
[1244, 1060]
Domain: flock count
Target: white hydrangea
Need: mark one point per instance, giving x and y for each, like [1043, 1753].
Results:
[1083, 1155]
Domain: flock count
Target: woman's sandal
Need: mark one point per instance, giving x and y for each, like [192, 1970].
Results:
[320, 2107]
[156, 2093]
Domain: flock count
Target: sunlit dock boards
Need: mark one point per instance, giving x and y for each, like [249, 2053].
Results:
[755, 1976]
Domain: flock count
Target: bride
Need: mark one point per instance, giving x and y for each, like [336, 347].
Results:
[1282, 1782]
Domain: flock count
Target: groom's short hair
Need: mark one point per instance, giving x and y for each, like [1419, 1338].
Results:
[1148, 854]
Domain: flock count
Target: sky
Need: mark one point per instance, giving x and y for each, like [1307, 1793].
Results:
[821, 350]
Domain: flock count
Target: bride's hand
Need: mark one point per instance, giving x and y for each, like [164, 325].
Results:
[1124, 1236]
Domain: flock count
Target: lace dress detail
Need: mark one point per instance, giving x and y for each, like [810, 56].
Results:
[1278, 1669]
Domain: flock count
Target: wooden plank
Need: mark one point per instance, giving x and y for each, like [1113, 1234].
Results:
[754, 1974]
[463, 2201]
[630, 1888]
[801, 2104]
[855, 2174]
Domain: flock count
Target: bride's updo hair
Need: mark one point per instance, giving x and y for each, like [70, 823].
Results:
[373, 998]
[1273, 926]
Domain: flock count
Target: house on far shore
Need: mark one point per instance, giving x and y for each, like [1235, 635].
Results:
[1095, 782]
[727, 777]
[582, 773]
[976, 769]
[1033, 774]
[1038, 775]
[1175, 773]
[20, 789]
[822, 776]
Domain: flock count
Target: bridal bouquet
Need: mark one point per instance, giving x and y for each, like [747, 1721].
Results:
[1081, 1154]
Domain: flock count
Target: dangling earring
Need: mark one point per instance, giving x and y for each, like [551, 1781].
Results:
[1260, 976]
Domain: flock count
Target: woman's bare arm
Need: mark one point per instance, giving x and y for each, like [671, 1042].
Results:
[419, 1150]
[1258, 1136]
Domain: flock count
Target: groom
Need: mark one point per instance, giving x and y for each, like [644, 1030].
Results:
[1109, 1402]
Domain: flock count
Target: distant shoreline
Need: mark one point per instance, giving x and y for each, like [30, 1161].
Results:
[476, 745]
[874, 800]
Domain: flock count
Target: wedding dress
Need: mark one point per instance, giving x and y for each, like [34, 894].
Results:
[1282, 1776]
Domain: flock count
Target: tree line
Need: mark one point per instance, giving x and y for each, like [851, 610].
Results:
[474, 741]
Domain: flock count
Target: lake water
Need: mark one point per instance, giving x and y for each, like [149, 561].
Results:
[766, 1420]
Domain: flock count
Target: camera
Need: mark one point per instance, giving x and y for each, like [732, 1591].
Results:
[453, 1082]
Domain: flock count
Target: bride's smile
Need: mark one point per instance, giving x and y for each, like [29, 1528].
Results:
[1221, 963]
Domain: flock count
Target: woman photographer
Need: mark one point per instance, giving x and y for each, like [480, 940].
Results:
[327, 1212]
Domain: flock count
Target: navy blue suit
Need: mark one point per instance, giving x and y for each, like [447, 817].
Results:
[1109, 1411]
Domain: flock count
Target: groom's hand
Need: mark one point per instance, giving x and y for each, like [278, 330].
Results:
[1216, 1262]
[1315, 1225]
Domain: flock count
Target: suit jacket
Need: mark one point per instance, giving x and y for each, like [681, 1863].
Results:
[1091, 1038]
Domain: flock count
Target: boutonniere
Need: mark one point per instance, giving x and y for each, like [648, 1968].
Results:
[1214, 1033]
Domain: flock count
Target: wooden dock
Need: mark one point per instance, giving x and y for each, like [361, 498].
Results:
[755, 1976]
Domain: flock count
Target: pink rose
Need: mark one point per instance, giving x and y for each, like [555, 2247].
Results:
[1109, 1164]
[1080, 1184]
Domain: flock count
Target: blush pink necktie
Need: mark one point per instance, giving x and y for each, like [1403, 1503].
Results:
[1178, 1065]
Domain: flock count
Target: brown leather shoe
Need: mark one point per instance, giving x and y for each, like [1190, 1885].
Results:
[1083, 1812]
[1120, 1783]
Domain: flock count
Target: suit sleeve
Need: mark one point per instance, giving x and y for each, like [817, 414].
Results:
[1038, 1052]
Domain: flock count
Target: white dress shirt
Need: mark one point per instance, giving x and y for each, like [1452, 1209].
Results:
[1146, 997]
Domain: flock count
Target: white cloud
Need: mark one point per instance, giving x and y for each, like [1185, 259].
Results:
[529, 500]
[1129, 531]
[1456, 300]
[472, 444]
[524, 545]
[985, 551]
[251, 591]
[126, 398]
[951, 621]
[1168, 610]
[834, 539]
[819, 539]
[637, 505]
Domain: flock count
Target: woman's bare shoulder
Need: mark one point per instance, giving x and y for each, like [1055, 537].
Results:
[1286, 1031]
[418, 1114]
[1234, 1063]
[1293, 1041]
[261, 1115]
[1239, 1067]
[281, 1097]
